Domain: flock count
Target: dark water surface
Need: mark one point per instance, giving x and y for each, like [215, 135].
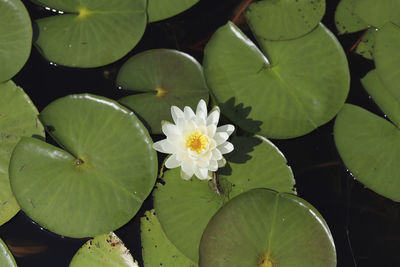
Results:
[365, 226]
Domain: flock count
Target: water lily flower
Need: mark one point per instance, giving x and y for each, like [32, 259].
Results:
[195, 142]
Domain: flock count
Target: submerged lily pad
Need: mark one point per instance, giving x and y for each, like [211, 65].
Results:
[377, 13]
[299, 86]
[18, 117]
[369, 146]
[161, 9]
[106, 250]
[284, 19]
[15, 37]
[346, 20]
[165, 77]
[264, 228]
[157, 249]
[90, 33]
[185, 207]
[6, 258]
[387, 57]
[98, 181]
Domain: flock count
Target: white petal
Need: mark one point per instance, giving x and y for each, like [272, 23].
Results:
[186, 176]
[201, 110]
[228, 128]
[201, 173]
[213, 118]
[225, 147]
[213, 165]
[188, 112]
[220, 137]
[200, 120]
[164, 146]
[172, 162]
[216, 155]
[188, 167]
[221, 163]
[176, 113]
[169, 128]
[211, 129]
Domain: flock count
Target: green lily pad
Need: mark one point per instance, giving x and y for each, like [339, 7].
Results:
[157, 249]
[366, 46]
[346, 20]
[98, 182]
[165, 77]
[382, 97]
[265, 228]
[90, 33]
[106, 250]
[15, 38]
[161, 9]
[369, 146]
[185, 207]
[18, 117]
[387, 58]
[377, 13]
[300, 86]
[284, 19]
[6, 258]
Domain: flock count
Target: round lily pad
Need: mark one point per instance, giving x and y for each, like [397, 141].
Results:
[90, 33]
[290, 90]
[185, 207]
[157, 249]
[377, 13]
[369, 146]
[264, 228]
[18, 117]
[366, 46]
[15, 37]
[387, 57]
[284, 19]
[100, 178]
[6, 258]
[346, 20]
[105, 250]
[382, 97]
[165, 77]
[161, 9]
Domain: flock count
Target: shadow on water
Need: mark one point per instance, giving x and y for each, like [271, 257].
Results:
[240, 115]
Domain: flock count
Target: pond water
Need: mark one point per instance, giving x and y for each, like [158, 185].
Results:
[365, 226]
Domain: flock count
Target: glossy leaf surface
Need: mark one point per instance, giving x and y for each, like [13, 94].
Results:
[161, 9]
[157, 249]
[18, 117]
[15, 37]
[106, 250]
[382, 97]
[287, 91]
[6, 258]
[369, 146]
[284, 19]
[100, 179]
[264, 228]
[387, 58]
[185, 207]
[164, 77]
[90, 33]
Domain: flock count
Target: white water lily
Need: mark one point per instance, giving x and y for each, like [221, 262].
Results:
[195, 142]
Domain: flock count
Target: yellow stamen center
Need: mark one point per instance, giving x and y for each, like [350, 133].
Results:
[196, 142]
[161, 92]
